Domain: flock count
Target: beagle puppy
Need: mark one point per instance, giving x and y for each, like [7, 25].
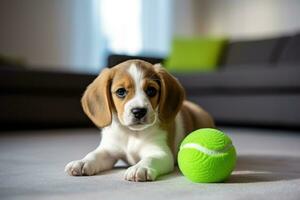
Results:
[144, 116]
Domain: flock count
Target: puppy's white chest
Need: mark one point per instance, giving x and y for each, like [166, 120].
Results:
[134, 145]
[130, 145]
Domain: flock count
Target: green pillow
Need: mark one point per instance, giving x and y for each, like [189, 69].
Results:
[198, 54]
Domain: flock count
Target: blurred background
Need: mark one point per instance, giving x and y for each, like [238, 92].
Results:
[239, 59]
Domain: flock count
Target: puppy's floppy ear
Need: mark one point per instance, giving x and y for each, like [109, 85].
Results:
[171, 96]
[96, 100]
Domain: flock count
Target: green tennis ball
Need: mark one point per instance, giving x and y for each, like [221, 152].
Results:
[207, 156]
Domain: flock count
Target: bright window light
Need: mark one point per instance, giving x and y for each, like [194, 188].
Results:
[121, 25]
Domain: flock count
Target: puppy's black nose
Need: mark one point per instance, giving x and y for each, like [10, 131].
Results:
[139, 113]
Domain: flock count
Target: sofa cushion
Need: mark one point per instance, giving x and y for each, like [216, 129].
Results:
[195, 54]
[291, 52]
[252, 52]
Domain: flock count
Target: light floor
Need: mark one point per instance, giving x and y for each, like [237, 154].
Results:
[32, 167]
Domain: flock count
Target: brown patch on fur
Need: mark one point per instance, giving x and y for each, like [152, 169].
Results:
[171, 96]
[96, 100]
[122, 79]
[150, 83]
[171, 130]
[194, 117]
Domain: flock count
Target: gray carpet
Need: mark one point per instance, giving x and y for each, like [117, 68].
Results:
[32, 167]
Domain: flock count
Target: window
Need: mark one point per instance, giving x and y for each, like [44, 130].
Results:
[136, 26]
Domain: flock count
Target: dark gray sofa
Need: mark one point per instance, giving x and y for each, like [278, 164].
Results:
[31, 99]
[258, 84]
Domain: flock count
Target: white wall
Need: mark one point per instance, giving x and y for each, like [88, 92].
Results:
[255, 18]
[52, 34]
[236, 18]
[183, 18]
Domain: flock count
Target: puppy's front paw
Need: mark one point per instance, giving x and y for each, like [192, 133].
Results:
[140, 173]
[81, 168]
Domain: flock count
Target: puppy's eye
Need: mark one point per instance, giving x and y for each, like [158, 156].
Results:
[151, 91]
[121, 92]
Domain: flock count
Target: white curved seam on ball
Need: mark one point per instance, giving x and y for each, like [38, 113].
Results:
[204, 149]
